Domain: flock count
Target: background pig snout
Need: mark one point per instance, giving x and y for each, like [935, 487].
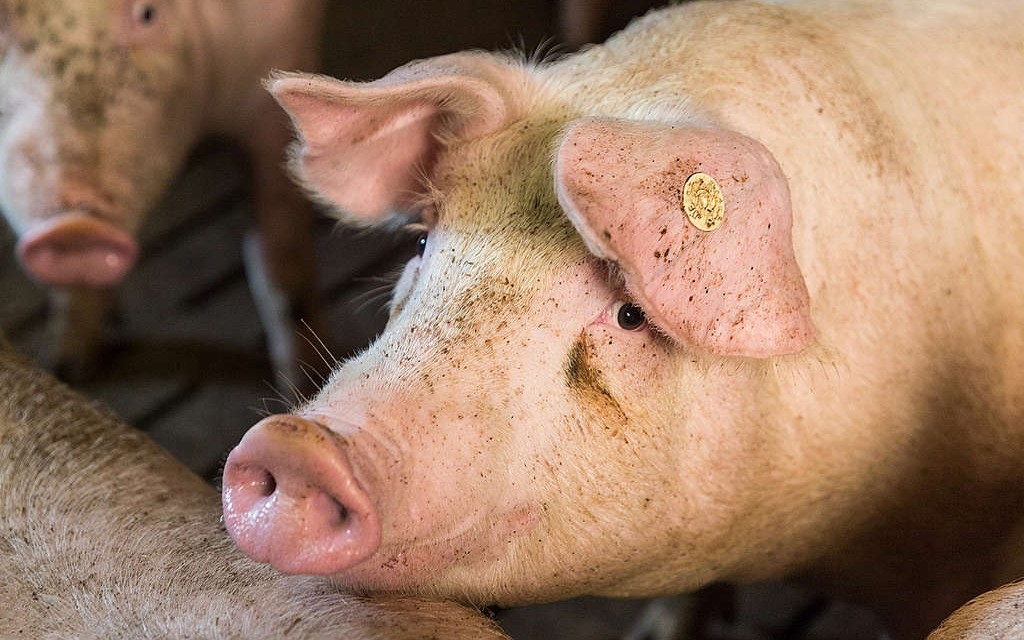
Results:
[291, 499]
[77, 249]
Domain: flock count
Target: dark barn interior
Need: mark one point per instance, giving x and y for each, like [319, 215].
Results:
[185, 360]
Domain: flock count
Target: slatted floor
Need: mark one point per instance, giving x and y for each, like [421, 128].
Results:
[186, 361]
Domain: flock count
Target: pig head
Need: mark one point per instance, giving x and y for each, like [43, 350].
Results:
[637, 351]
[100, 103]
[521, 397]
[79, 95]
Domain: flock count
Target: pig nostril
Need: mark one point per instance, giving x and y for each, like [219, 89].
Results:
[266, 485]
[343, 512]
[291, 499]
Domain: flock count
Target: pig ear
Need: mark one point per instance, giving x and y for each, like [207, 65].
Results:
[725, 281]
[367, 147]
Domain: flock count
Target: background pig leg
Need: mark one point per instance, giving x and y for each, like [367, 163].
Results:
[279, 262]
[75, 328]
[662, 619]
[104, 535]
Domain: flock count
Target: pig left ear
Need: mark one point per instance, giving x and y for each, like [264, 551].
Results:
[699, 221]
[366, 148]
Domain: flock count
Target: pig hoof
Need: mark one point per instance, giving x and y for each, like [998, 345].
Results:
[292, 500]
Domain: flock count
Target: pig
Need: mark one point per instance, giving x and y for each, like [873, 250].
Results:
[995, 615]
[734, 296]
[104, 535]
[101, 102]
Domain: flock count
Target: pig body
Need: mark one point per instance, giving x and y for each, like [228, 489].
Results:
[994, 615]
[583, 389]
[100, 103]
[103, 535]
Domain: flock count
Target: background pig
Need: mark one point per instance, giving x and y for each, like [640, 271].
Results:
[996, 614]
[100, 102]
[736, 295]
[103, 535]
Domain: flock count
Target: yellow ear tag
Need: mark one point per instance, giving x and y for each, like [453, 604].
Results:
[703, 202]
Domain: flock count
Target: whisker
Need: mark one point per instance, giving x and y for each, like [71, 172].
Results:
[377, 297]
[278, 398]
[313, 374]
[321, 348]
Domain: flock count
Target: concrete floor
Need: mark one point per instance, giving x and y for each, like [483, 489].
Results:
[186, 362]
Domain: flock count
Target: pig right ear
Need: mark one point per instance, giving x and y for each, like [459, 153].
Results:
[698, 219]
[366, 148]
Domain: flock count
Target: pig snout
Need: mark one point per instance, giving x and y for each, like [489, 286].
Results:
[77, 249]
[291, 499]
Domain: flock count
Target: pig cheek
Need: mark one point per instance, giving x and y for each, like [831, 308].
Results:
[462, 492]
[591, 469]
[649, 413]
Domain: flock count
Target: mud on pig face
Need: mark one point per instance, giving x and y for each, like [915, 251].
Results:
[98, 108]
[520, 431]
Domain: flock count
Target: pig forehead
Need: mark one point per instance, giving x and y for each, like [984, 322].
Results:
[497, 210]
[65, 39]
[71, 46]
[47, 22]
[503, 183]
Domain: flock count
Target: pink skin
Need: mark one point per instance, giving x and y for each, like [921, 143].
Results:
[482, 422]
[294, 497]
[504, 408]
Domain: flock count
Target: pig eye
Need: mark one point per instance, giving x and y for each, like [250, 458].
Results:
[629, 316]
[145, 13]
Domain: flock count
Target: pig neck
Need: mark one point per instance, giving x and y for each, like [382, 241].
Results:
[939, 455]
[913, 401]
